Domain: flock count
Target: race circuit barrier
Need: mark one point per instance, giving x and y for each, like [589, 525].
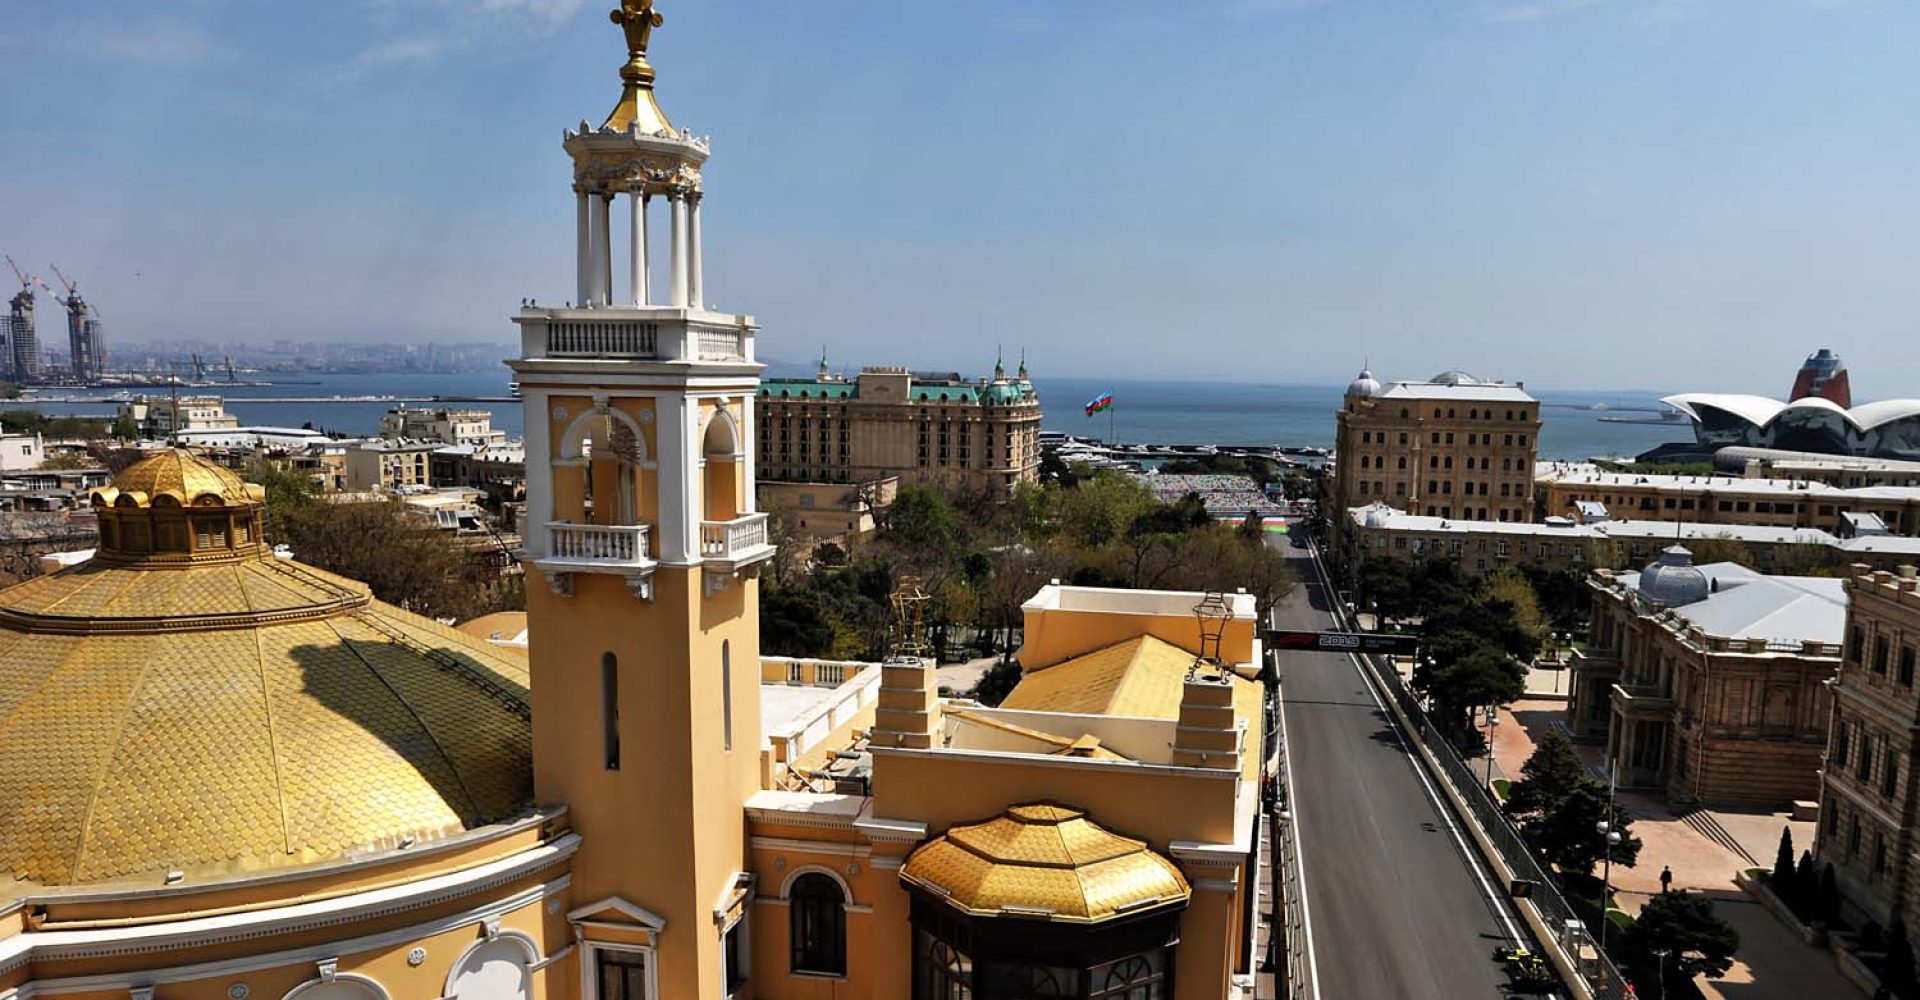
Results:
[1568, 942]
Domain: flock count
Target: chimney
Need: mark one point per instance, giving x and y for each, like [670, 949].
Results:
[908, 712]
[1207, 735]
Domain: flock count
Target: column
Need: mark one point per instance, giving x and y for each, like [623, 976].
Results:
[637, 204]
[583, 265]
[606, 249]
[596, 250]
[696, 279]
[677, 278]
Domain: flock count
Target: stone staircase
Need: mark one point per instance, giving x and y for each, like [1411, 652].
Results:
[1703, 823]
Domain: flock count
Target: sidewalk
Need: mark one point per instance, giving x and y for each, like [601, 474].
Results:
[1772, 961]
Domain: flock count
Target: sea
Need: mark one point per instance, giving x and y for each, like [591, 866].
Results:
[1144, 411]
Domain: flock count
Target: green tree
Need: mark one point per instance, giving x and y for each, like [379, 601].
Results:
[124, 429]
[1484, 676]
[1806, 880]
[1782, 880]
[1385, 584]
[1550, 774]
[1680, 930]
[1510, 588]
[1567, 836]
[1896, 970]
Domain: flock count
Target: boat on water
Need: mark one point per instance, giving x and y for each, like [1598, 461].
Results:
[1663, 418]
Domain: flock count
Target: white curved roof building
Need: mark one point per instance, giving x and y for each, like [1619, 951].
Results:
[1889, 428]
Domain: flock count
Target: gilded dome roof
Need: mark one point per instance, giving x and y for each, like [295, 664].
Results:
[1044, 860]
[184, 476]
[239, 716]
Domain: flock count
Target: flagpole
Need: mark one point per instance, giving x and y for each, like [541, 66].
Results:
[1112, 441]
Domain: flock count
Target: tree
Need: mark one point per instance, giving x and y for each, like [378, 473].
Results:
[124, 429]
[1385, 584]
[1547, 778]
[1826, 900]
[1510, 587]
[1484, 676]
[1676, 937]
[1782, 880]
[68, 460]
[1568, 837]
[1805, 882]
[1896, 970]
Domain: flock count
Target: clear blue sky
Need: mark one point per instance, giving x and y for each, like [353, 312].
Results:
[1662, 193]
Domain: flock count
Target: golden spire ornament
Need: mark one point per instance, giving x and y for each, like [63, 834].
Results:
[637, 18]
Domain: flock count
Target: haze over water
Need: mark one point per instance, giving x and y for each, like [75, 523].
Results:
[1154, 412]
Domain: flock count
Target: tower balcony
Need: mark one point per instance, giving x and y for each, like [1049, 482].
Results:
[642, 333]
[619, 549]
[730, 546]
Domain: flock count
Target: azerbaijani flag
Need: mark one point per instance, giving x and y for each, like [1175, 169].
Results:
[1104, 401]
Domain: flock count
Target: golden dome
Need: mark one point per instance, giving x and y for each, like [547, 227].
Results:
[231, 717]
[182, 475]
[1044, 860]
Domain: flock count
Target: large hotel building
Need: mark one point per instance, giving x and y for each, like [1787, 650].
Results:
[1450, 446]
[887, 422]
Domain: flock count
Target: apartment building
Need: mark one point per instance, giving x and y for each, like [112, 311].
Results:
[1868, 795]
[1450, 446]
[1791, 503]
[467, 428]
[378, 464]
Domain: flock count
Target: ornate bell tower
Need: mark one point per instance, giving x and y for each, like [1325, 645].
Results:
[642, 547]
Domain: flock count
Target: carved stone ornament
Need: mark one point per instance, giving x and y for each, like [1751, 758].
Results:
[327, 967]
[560, 413]
[640, 587]
[417, 957]
[627, 172]
[561, 584]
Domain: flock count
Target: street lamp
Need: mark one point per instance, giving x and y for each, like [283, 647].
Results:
[1661, 955]
[1611, 838]
[1493, 719]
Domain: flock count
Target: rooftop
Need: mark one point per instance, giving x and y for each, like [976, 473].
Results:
[1745, 605]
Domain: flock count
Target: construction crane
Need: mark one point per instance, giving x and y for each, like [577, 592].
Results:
[26, 280]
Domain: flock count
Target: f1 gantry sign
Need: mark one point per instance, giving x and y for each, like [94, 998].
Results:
[1343, 642]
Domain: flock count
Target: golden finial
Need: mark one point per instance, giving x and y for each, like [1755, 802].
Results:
[637, 107]
[638, 19]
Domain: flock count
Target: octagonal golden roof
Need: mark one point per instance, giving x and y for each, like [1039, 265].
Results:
[182, 475]
[1045, 860]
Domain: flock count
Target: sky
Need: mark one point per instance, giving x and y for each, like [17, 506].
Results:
[1662, 194]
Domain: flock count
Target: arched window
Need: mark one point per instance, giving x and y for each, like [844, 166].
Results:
[493, 970]
[817, 925]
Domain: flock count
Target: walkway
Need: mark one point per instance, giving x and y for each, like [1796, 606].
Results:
[1772, 963]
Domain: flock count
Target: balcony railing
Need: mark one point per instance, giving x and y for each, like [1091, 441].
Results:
[598, 546]
[1642, 701]
[736, 543]
[603, 339]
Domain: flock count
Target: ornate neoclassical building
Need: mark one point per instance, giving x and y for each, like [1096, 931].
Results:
[227, 774]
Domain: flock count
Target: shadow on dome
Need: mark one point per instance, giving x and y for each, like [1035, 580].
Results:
[433, 741]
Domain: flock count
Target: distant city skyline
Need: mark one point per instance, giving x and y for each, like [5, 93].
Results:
[1673, 194]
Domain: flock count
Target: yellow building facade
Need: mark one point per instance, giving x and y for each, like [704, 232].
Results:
[227, 774]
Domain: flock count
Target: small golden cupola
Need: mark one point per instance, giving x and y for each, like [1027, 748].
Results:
[176, 507]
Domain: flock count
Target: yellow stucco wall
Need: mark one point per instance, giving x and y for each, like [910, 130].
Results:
[667, 830]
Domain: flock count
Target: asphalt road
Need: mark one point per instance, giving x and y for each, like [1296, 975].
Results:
[1394, 904]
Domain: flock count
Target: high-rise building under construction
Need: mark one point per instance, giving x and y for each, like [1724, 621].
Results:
[22, 355]
[83, 339]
